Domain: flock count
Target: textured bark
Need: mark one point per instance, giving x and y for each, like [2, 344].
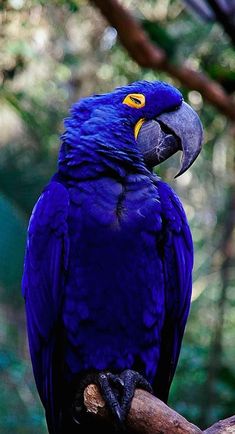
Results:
[149, 415]
[226, 426]
[149, 55]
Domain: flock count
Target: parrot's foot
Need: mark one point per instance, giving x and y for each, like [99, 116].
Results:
[117, 390]
[130, 381]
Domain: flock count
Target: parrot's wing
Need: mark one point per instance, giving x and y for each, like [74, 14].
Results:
[177, 253]
[43, 279]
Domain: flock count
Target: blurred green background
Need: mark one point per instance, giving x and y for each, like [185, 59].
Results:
[52, 53]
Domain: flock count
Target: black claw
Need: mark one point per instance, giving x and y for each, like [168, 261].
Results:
[132, 380]
[119, 414]
[76, 420]
[119, 381]
[110, 395]
[116, 380]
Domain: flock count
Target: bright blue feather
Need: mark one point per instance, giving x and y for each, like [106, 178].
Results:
[108, 267]
[43, 285]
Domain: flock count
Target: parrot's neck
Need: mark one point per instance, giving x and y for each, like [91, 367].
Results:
[97, 147]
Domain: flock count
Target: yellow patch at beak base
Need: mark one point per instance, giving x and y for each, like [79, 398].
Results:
[138, 125]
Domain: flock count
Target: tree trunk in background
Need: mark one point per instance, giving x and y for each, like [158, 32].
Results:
[226, 250]
[223, 19]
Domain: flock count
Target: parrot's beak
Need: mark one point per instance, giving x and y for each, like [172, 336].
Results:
[179, 130]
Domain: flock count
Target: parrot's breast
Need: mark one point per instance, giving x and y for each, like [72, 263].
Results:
[114, 295]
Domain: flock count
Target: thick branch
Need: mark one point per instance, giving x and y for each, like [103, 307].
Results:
[149, 415]
[149, 55]
[226, 426]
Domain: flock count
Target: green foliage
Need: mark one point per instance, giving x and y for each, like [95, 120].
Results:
[19, 411]
[12, 245]
[160, 37]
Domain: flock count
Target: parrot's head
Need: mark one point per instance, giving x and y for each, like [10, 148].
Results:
[163, 123]
[150, 118]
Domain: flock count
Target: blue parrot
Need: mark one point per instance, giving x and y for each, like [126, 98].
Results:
[108, 266]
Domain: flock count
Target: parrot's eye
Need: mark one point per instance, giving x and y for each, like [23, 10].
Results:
[135, 100]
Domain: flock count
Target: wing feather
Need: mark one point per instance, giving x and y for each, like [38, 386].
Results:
[177, 254]
[42, 285]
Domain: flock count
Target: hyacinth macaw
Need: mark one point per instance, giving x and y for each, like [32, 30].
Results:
[108, 268]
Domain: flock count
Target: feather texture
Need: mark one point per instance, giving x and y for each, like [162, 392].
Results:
[108, 267]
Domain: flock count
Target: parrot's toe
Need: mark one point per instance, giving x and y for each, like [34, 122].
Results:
[132, 380]
[117, 391]
[110, 386]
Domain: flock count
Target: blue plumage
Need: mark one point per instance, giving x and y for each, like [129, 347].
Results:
[108, 267]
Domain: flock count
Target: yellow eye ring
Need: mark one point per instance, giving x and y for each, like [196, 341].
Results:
[134, 100]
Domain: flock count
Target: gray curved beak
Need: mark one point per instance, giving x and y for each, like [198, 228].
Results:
[170, 132]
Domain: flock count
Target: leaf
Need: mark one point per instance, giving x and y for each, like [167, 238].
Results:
[160, 36]
[12, 247]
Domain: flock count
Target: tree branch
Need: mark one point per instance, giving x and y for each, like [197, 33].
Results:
[224, 19]
[149, 55]
[149, 415]
[226, 426]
